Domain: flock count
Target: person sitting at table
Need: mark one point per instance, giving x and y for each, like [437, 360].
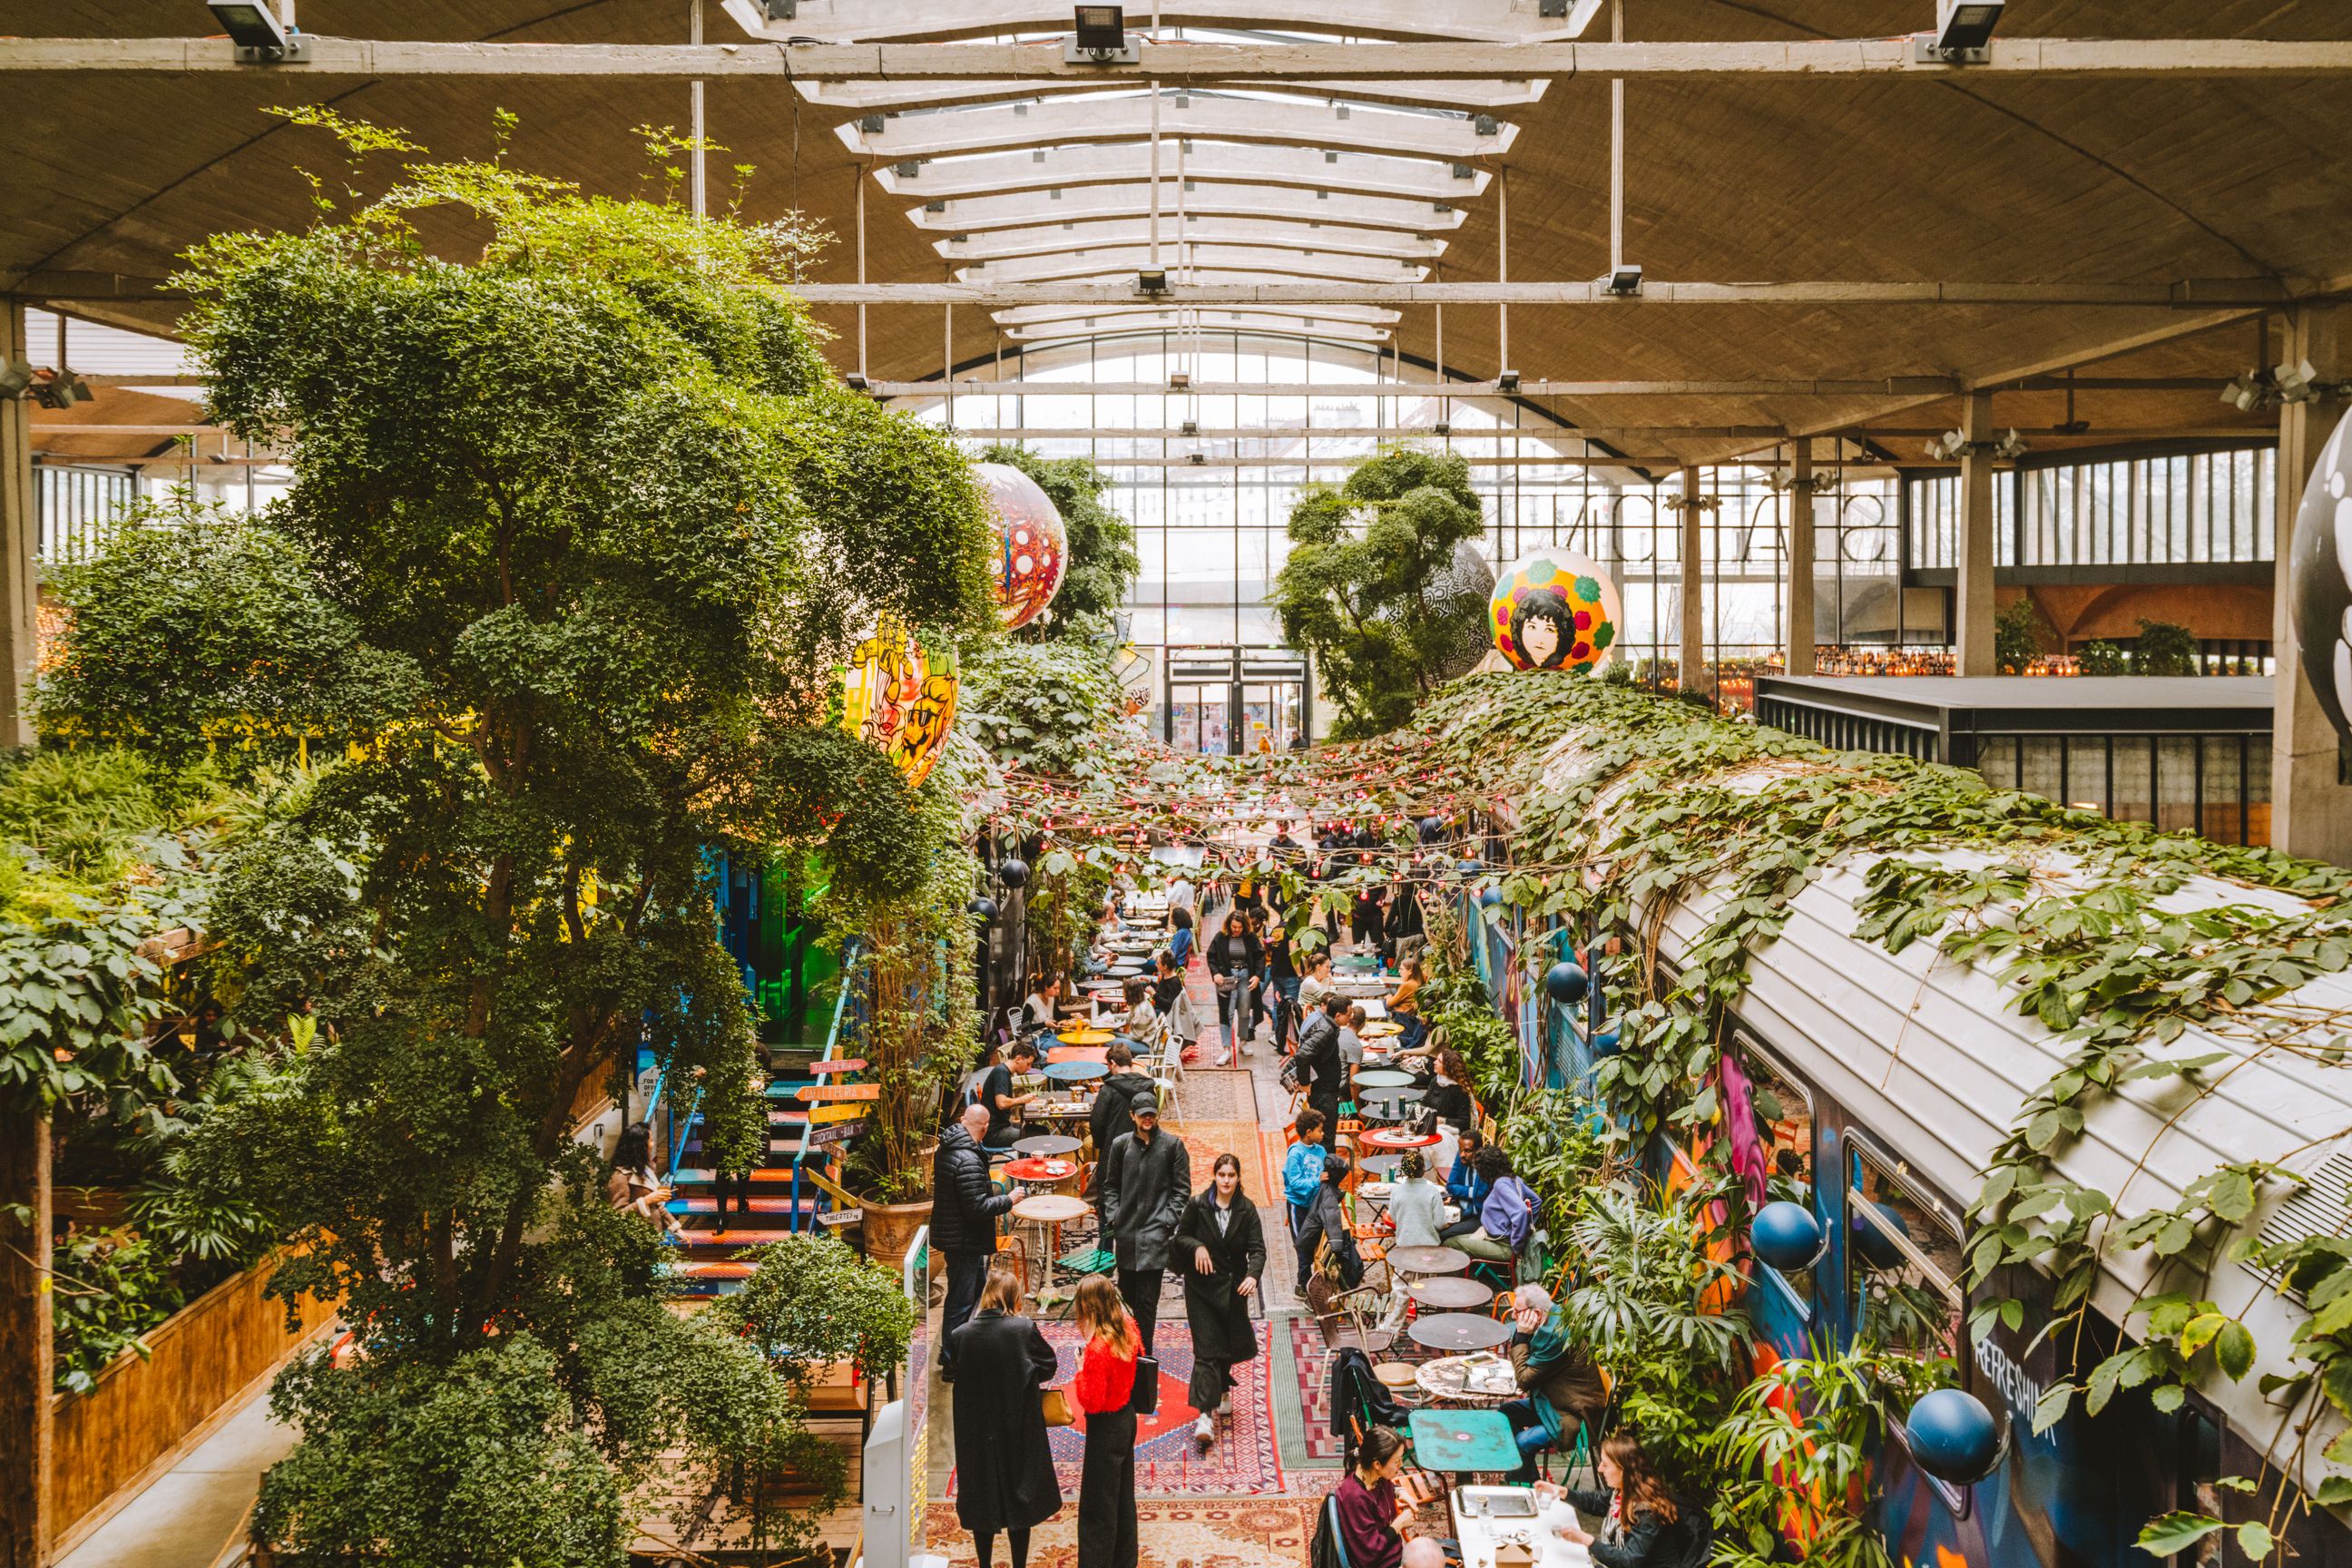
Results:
[1465, 1189]
[1145, 1026]
[1038, 1010]
[997, 1094]
[1180, 940]
[1404, 1005]
[1445, 1095]
[1564, 1389]
[1374, 1522]
[1416, 1207]
[1504, 1219]
[1641, 1525]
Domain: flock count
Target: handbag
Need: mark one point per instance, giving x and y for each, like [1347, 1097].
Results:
[1054, 1403]
[1144, 1398]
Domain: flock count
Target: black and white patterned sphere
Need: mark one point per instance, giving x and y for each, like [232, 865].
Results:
[2322, 581]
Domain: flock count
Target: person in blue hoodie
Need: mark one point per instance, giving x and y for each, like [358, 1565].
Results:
[1464, 1187]
[1302, 1168]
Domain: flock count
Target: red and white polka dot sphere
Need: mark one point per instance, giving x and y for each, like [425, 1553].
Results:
[1554, 610]
[1032, 545]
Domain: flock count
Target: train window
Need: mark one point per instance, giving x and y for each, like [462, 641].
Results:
[1904, 1264]
[1784, 1126]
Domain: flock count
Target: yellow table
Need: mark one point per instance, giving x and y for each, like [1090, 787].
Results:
[1085, 1037]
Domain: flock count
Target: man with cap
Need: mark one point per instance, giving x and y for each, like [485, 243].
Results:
[1146, 1181]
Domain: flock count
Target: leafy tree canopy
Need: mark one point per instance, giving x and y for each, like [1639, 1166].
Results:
[1047, 707]
[1101, 563]
[1362, 589]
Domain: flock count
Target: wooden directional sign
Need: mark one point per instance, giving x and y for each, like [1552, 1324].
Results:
[835, 1132]
[836, 1113]
[844, 1063]
[827, 1093]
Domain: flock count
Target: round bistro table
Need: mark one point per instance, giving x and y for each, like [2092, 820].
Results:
[1046, 1145]
[1429, 1260]
[1446, 1293]
[1455, 1332]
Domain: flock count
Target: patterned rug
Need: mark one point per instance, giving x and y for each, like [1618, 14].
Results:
[1206, 1140]
[1181, 1532]
[1246, 1459]
[1314, 1375]
[1219, 1094]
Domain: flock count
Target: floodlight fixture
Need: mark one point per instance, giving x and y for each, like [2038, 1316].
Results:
[1100, 38]
[1190, 427]
[1623, 281]
[255, 34]
[1963, 35]
[2297, 383]
[16, 374]
[2011, 445]
[781, 10]
[1443, 427]
[1507, 382]
[1951, 444]
[61, 389]
[1198, 459]
[1180, 381]
[2247, 391]
[1151, 280]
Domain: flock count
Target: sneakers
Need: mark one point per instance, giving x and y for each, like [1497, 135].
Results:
[1204, 1433]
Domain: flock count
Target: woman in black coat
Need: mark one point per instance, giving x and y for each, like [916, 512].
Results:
[1005, 1471]
[1222, 1249]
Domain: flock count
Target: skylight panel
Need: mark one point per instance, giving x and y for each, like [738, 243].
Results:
[1095, 118]
[1369, 172]
[1207, 198]
[1041, 239]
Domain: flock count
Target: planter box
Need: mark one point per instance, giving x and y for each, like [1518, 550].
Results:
[209, 1357]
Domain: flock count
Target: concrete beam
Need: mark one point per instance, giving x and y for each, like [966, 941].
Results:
[2311, 809]
[1471, 93]
[871, 21]
[2243, 294]
[1179, 256]
[1893, 387]
[1046, 169]
[1058, 238]
[1208, 199]
[1182, 64]
[1068, 120]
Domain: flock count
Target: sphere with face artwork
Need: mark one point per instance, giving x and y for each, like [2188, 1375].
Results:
[1033, 547]
[1554, 610]
[898, 695]
[2320, 594]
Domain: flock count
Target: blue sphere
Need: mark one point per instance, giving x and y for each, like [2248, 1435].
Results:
[1432, 828]
[1785, 1235]
[1013, 872]
[1490, 897]
[983, 907]
[1472, 868]
[1605, 1044]
[1953, 1437]
[1566, 984]
[1871, 1240]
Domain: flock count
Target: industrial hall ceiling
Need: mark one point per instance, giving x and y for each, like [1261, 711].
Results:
[2228, 190]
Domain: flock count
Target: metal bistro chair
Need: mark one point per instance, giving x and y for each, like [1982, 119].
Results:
[1340, 1318]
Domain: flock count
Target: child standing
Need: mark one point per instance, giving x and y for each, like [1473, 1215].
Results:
[1302, 1168]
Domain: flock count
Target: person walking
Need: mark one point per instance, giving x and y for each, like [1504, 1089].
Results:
[1318, 1062]
[964, 1207]
[1282, 975]
[1235, 955]
[1107, 1118]
[1146, 1180]
[1222, 1246]
[1004, 1468]
[1104, 1392]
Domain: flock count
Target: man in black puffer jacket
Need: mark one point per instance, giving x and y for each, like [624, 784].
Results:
[964, 1207]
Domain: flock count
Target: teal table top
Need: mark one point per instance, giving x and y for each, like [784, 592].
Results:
[1460, 1440]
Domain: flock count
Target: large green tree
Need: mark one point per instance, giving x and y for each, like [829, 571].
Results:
[1100, 565]
[1369, 589]
[592, 511]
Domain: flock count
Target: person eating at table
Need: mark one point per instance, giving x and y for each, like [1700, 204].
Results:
[1375, 1523]
[996, 1093]
[1641, 1525]
[1563, 1388]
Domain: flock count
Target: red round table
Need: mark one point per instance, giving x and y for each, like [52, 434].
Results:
[1041, 1172]
[1389, 1139]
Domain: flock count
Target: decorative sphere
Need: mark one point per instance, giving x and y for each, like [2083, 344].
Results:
[1785, 1235]
[1871, 1240]
[2320, 590]
[1432, 828]
[1032, 546]
[982, 908]
[899, 694]
[1566, 984]
[1490, 897]
[1554, 610]
[1012, 871]
[1953, 1437]
[1472, 868]
[1605, 1044]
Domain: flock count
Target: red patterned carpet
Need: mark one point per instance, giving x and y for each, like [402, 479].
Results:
[1174, 1532]
[1244, 1461]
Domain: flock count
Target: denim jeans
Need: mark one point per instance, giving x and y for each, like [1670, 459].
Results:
[1235, 1007]
[1528, 1428]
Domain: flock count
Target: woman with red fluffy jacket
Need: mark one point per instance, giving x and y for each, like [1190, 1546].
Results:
[1104, 1389]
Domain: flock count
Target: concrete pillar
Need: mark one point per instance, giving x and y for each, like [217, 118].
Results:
[1693, 673]
[1797, 659]
[19, 581]
[1972, 599]
[2311, 812]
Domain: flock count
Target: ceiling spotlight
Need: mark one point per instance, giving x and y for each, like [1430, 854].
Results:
[1179, 381]
[1443, 427]
[1198, 459]
[1951, 444]
[16, 374]
[1192, 427]
[61, 389]
[1507, 382]
[1624, 281]
[1101, 38]
[257, 35]
[2247, 391]
[2297, 383]
[2011, 445]
[1151, 280]
[1963, 34]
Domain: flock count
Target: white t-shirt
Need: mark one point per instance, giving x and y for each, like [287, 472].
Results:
[1180, 896]
[1037, 1010]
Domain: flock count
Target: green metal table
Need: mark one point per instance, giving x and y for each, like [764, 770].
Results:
[1463, 1441]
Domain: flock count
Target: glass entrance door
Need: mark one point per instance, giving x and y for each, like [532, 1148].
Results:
[1200, 718]
[1272, 715]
